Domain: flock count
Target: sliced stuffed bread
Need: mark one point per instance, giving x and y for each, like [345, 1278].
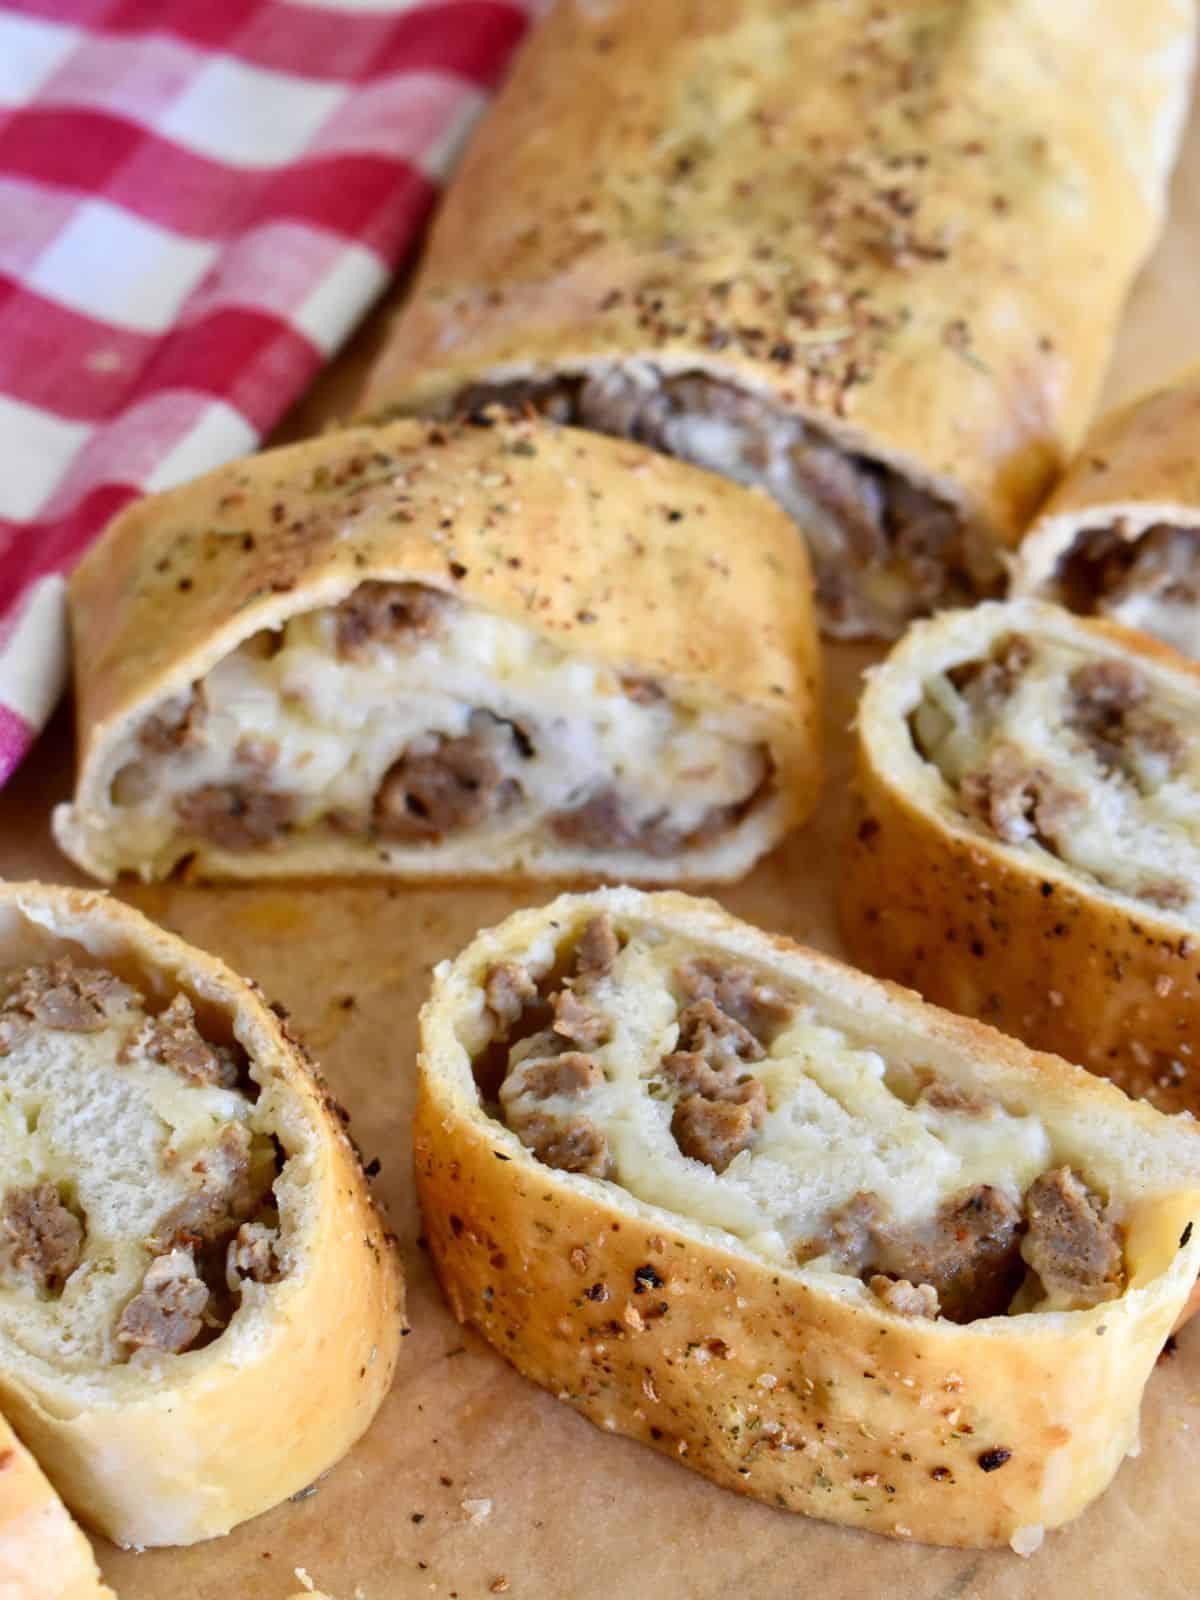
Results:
[801, 1232]
[43, 1555]
[1026, 841]
[1120, 535]
[848, 256]
[454, 651]
[199, 1306]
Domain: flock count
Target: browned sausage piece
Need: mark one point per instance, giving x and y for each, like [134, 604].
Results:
[38, 1231]
[1072, 1247]
[167, 1313]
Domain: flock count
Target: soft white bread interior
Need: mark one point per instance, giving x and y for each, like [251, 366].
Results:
[821, 1242]
[199, 1305]
[473, 650]
[43, 1555]
[1026, 840]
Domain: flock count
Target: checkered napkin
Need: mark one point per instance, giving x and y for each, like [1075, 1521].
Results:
[198, 198]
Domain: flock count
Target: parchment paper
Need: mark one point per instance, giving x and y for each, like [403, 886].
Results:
[471, 1479]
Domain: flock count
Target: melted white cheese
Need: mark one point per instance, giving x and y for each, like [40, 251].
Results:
[841, 1121]
[339, 724]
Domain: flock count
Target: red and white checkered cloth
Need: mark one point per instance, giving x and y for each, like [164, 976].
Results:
[198, 199]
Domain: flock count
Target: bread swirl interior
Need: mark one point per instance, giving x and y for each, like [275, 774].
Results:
[1086, 757]
[706, 1087]
[407, 720]
[1146, 578]
[141, 1201]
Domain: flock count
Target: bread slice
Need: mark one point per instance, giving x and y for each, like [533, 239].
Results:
[801, 1232]
[43, 1555]
[726, 228]
[1120, 535]
[1025, 847]
[494, 650]
[199, 1306]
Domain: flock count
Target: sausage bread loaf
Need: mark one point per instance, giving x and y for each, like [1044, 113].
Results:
[1025, 846]
[43, 1555]
[871, 261]
[199, 1306]
[444, 650]
[1120, 535]
[794, 1228]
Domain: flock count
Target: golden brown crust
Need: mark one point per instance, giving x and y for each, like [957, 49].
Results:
[597, 545]
[1139, 463]
[979, 927]
[816, 203]
[798, 1390]
[43, 1555]
[228, 1430]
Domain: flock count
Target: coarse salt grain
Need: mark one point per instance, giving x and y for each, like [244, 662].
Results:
[478, 1511]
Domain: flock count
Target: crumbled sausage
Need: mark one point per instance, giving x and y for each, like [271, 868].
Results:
[578, 1021]
[570, 1073]
[37, 1231]
[236, 816]
[1102, 570]
[712, 1033]
[70, 998]
[174, 1039]
[440, 785]
[601, 822]
[253, 1253]
[737, 992]
[1109, 709]
[1072, 1247]
[257, 753]
[231, 1186]
[507, 990]
[173, 727]
[167, 1313]
[714, 1131]
[904, 1298]
[1017, 799]
[969, 1251]
[596, 948]
[573, 1145]
[988, 683]
[389, 612]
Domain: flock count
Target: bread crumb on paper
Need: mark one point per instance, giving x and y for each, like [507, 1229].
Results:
[1028, 1540]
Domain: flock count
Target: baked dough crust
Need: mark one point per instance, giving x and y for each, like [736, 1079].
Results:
[702, 1363]
[994, 931]
[43, 1555]
[1138, 467]
[885, 226]
[202, 1441]
[607, 549]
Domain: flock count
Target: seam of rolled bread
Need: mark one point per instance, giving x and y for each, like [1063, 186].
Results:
[1069, 954]
[634, 636]
[43, 1554]
[618, 219]
[200, 1307]
[790, 1380]
[1120, 535]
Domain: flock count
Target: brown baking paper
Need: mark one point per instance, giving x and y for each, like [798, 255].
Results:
[472, 1482]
